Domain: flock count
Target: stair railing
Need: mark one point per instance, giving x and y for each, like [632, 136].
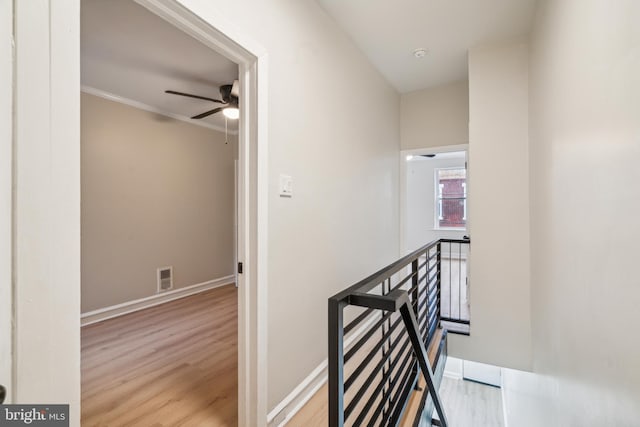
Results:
[393, 314]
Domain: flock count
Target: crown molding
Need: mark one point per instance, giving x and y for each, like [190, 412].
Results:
[142, 106]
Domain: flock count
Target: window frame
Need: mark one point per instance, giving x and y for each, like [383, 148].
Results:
[438, 208]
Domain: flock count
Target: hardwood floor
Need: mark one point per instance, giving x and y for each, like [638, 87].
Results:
[466, 404]
[170, 365]
[469, 404]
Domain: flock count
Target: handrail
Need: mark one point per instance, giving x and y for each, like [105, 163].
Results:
[398, 300]
[414, 298]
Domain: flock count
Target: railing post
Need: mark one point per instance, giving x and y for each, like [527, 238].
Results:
[415, 295]
[421, 353]
[439, 282]
[336, 363]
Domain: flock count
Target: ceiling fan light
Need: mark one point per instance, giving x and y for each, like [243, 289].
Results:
[231, 113]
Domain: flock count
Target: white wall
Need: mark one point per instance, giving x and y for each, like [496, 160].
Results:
[155, 193]
[334, 127]
[419, 210]
[435, 117]
[498, 178]
[585, 146]
[6, 190]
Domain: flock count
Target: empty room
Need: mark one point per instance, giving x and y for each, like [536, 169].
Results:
[158, 186]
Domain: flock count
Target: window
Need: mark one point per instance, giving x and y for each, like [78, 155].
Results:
[451, 198]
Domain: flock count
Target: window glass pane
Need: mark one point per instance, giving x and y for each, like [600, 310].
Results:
[452, 197]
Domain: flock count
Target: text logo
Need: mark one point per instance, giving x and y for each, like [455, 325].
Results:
[34, 415]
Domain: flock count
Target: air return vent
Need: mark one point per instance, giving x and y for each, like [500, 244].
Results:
[165, 279]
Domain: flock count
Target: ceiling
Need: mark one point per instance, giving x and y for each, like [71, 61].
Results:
[389, 31]
[119, 59]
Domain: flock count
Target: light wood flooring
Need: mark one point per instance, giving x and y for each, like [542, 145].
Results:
[470, 404]
[170, 365]
[466, 404]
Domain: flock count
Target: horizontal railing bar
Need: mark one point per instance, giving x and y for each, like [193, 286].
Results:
[432, 267]
[389, 302]
[372, 376]
[395, 399]
[353, 350]
[423, 315]
[421, 312]
[375, 394]
[423, 302]
[387, 395]
[420, 350]
[405, 280]
[376, 278]
[432, 317]
[454, 241]
[449, 319]
[432, 332]
[417, 285]
[407, 389]
[356, 372]
[432, 306]
[377, 390]
[355, 322]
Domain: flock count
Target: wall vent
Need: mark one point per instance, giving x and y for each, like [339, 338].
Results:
[165, 279]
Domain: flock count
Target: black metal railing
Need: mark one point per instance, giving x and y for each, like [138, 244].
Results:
[379, 333]
[455, 304]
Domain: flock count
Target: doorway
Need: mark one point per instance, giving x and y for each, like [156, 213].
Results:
[435, 188]
[158, 152]
[47, 261]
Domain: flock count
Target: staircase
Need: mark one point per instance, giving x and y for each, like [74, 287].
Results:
[387, 349]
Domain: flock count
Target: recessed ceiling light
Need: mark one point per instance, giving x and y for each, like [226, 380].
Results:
[420, 52]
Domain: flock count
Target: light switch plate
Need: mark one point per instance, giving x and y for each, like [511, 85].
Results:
[286, 186]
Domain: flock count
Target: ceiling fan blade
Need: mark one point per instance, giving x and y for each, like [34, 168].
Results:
[235, 89]
[208, 113]
[173, 92]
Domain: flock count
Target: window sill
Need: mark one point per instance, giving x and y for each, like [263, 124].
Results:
[461, 229]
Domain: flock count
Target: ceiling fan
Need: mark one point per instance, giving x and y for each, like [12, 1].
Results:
[229, 95]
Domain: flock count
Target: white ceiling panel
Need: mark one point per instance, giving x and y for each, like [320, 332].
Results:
[389, 31]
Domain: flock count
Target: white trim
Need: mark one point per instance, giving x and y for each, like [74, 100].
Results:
[284, 411]
[503, 394]
[6, 196]
[117, 310]
[455, 374]
[142, 106]
[435, 150]
[403, 184]
[214, 29]
[291, 405]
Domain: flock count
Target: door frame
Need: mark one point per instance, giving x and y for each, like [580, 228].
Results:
[403, 183]
[6, 196]
[47, 199]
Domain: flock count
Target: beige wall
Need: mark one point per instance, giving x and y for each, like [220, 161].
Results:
[334, 127]
[498, 208]
[435, 117]
[585, 146]
[156, 192]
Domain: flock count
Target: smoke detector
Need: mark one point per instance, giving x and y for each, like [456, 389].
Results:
[420, 52]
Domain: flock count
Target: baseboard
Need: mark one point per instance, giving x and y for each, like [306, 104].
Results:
[453, 368]
[291, 405]
[101, 314]
[503, 395]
